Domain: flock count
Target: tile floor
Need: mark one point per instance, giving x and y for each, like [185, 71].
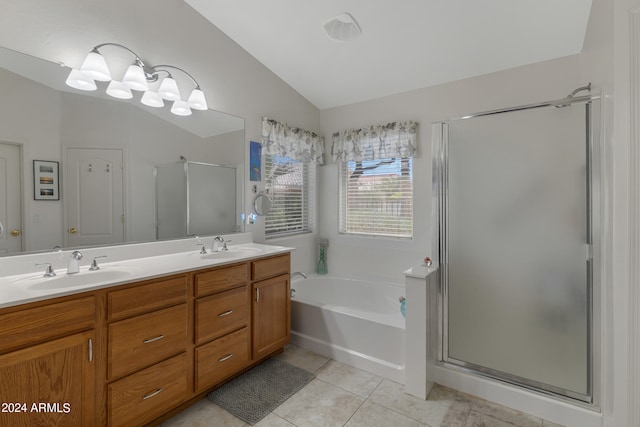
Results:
[341, 395]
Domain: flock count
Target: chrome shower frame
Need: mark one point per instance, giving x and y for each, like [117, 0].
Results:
[440, 215]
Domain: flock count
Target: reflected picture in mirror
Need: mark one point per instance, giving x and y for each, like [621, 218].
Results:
[107, 150]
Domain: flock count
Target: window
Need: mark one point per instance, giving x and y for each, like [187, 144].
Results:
[377, 197]
[290, 184]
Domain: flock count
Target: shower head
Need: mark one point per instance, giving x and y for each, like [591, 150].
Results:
[572, 94]
[183, 158]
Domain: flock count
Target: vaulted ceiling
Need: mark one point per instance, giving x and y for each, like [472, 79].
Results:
[404, 45]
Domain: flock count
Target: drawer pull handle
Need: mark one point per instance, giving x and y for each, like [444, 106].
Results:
[150, 340]
[226, 313]
[150, 395]
[227, 357]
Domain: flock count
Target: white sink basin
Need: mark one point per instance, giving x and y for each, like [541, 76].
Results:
[232, 253]
[63, 280]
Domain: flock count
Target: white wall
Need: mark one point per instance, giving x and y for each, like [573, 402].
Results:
[388, 258]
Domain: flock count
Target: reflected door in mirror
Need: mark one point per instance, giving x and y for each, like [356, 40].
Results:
[94, 194]
[10, 199]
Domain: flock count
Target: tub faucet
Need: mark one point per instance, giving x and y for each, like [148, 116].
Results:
[74, 262]
[297, 273]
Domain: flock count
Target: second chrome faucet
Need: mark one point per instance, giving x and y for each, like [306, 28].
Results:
[74, 262]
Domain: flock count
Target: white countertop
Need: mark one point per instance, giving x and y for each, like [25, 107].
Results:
[28, 287]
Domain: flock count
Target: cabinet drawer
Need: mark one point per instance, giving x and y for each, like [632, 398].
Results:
[270, 267]
[144, 396]
[147, 297]
[219, 314]
[221, 358]
[143, 340]
[34, 325]
[220, 280]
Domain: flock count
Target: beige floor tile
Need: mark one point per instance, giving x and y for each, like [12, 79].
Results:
[319, 404]
[505, 414]
[432, 412]
[477, 419]
[302, 358]
[272, 420]
[374, 415]
[201, 414]
[349, 378]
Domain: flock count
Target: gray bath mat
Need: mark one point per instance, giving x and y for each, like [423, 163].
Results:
[254, 394]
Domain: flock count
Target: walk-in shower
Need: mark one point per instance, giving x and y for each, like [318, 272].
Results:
[517, 242]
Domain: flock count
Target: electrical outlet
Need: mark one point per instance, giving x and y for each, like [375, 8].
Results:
[254, 188]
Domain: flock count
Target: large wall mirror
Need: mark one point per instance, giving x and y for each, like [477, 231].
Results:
[103, 152]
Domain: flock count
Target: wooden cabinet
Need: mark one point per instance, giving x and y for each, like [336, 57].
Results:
[132, 354]
[220, 359]
[221, 324]
[143, 340]
[147, 394]
[271, 306]
[147, 369]
[51, 383]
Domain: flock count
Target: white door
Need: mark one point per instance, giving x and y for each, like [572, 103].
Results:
[10, 199]
[94, 196]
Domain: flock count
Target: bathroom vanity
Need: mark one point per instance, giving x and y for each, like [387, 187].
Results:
[138, 351]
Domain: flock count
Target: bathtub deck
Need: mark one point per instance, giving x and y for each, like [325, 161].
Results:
[346, 396]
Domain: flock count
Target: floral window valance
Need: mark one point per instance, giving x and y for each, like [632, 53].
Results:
[297, 144]
[396, 139]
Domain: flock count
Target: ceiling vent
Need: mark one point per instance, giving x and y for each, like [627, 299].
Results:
[342, 28]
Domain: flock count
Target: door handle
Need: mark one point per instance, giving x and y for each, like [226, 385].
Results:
[15, 232]
[72, 230]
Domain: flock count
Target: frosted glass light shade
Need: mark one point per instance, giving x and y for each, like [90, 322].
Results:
[169, 89]
[118, 90]
[197, 100]
[79, 80]
[180, 108]
[95, 67]
[135, 78]
[152, 99]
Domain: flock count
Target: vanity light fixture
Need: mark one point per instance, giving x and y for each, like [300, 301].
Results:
[138, 77]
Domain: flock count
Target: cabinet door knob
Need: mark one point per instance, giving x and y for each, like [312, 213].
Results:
[15, 232]
[226, 313]
[72, 230]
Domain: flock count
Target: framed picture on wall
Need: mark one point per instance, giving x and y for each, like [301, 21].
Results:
[45, 180]
[255, 161]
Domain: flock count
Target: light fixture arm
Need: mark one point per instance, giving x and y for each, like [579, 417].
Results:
[137, 61]
[160, 68]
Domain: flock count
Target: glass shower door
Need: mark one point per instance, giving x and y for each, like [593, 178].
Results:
[517, 267]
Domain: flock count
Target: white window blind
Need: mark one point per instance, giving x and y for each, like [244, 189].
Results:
[376, 197]
[290, 184]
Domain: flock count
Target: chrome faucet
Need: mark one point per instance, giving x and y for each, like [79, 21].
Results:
[74, 262]
[215, 247]
[297, 273]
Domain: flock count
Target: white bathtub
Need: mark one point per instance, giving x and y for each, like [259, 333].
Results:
[357, 322]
